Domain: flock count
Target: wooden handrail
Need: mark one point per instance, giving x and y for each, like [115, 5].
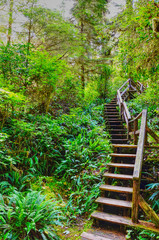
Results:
[133, 129]
[140, 148]
[138, 167]
[136, 118]
[127, 111]
[124, 84]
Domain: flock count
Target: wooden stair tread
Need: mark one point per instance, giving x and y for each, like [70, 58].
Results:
[114, 202]
[124, 146]
[123, 155]
[112, 113]
[121, 165]
[116, 130]
[112, 105]
[111, 218]
[118, 176]
[119, 139]
[119, 125]
[118, 134]
[91, 236]
[116, 188]
[116, 121]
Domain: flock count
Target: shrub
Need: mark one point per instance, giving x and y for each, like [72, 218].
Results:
[28, 216]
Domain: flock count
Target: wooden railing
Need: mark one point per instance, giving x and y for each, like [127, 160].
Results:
[139, 134]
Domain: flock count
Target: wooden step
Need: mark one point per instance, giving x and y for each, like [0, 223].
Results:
[116, 188]
[111, 104]
[116, 122]
[118, 176]
[110, 110]
[124, 146]
[123, 155]
[115, 115]
[111, 218]
[113, 119]
[114, 202]
[116, 126]
[118, 135]
[120, 165]
[118, 130]
[119, 140]
[91, 236]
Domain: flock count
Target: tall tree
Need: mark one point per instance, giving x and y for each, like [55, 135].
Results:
[88, 17]
[10, 22]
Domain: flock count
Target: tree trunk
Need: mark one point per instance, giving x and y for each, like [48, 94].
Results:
[82, 60]
[11, 3]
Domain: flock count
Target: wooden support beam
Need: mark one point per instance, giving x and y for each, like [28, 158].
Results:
[135, 202]
[148, 211]
[153, 134]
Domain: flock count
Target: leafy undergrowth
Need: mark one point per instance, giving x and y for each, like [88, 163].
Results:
[147, 100]
[60, 159]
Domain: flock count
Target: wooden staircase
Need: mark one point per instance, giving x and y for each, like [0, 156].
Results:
[120, 195]
[116, 200]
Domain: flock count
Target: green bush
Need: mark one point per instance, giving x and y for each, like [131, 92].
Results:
[28, 216]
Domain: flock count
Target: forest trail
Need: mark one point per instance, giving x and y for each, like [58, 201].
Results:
[120, 195]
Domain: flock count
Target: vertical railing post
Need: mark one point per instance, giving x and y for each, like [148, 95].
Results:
[135, 129]
[129, 86]
[146, 134]
[135, 201]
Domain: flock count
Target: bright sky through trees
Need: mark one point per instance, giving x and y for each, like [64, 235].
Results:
[62, 5]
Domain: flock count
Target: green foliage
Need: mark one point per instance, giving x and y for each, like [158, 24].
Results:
[148, 100]
[137, 234]
[138, 45]
[73, 147]
[155, 195]
[28, 216]
[37, 75]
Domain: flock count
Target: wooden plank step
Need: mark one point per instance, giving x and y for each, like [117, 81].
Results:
[124, 146]
[120, 165]
[116, 126]
[91, 236]
[113, 202]
[118, 176]
[116, 188]
[115, 115]
[114, 119]
[119, 134]
[108, 109]
[111, 104]
[118, 130]
[119, 140]
[123, 155]
[111, 218]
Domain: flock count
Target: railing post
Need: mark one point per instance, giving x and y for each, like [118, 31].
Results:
[129, 86]
[135, 200]
[146, 134]
[135, 129]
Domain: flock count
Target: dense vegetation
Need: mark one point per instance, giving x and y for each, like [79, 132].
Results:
[55, 75]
